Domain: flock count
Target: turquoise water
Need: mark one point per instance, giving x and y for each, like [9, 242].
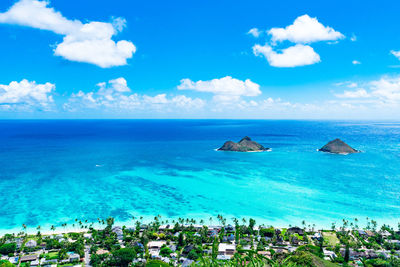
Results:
[52, 172]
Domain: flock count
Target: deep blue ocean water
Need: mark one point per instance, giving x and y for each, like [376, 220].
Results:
[52, 172]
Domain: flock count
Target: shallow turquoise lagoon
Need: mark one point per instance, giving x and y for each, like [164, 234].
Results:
[52, 172]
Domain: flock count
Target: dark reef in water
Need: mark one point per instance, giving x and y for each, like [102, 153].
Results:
[244, 145]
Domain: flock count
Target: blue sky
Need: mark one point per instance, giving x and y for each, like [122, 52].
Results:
[187, 59]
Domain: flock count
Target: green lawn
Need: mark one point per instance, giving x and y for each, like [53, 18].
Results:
[51, 255]
[330, 239]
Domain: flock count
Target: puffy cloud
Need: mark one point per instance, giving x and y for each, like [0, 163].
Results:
[356, 62]
[353, 38]
[305, 30]
[224, 89]
[116, 96]
[395, 53]
[27, 94]
[83, 42]
[385, 91]
[294, 56]
[360, 93]
[255, 32]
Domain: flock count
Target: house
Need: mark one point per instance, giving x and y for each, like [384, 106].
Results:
[19, 242]
[295, 230]
[385, 233]
[317, 236]
[118, 231]
[74, 257]
[13, 260]
[87, 235]
[34, 263]
[329, 255]
[229, 228]
[31, 244]
[154, 247]
[164, 227]
[27, 258]
[224, 257]
[361, 233]
[102, 251]
[226, 249]
[187, 262]
[369, 233]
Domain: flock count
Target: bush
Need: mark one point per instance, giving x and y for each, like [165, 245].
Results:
[6, 249]
[123, 256]
[165, 251]
[157, 263]
[5, 263]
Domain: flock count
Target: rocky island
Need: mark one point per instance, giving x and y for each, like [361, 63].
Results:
[337, 146]
[244, 145]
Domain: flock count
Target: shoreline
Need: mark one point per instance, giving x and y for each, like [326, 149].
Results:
[146, 220]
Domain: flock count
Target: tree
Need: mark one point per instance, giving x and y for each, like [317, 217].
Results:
[5, 263]
[62, 254]
[252, 222]
[181, 241]
[165, 251]
[123, 257]
[8, 248]
[110, 222]
[347, 254]
[214, 252]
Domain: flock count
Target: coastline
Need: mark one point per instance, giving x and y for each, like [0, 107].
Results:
[280, 224]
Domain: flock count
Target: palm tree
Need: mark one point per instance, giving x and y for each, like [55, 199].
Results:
[52, 228]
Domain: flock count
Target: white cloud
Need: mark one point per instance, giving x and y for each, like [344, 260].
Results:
[356, 62]
[255, 32]
[360, 93]
[116, 96]
[187, 102]
[294, 56]
[224, 89]
[353, 38]
[305, 30]
[27, 94]
[395, 53]
[83, 42]
[385, 91]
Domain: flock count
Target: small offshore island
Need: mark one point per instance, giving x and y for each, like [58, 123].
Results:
[187, 242]
[244, 145]
[337, 146]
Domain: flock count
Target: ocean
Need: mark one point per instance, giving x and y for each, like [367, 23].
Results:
[55, 171]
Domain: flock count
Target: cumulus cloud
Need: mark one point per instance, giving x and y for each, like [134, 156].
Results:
[294, 56]
[224, 89]
[395, 53]
[360, 93]
[255, 32]
[385, 91]
[115, 95]
[27, 94]
[305, 30]
[356, 62]
[82, 42]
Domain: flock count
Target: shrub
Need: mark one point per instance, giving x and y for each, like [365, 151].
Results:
[6, 249]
